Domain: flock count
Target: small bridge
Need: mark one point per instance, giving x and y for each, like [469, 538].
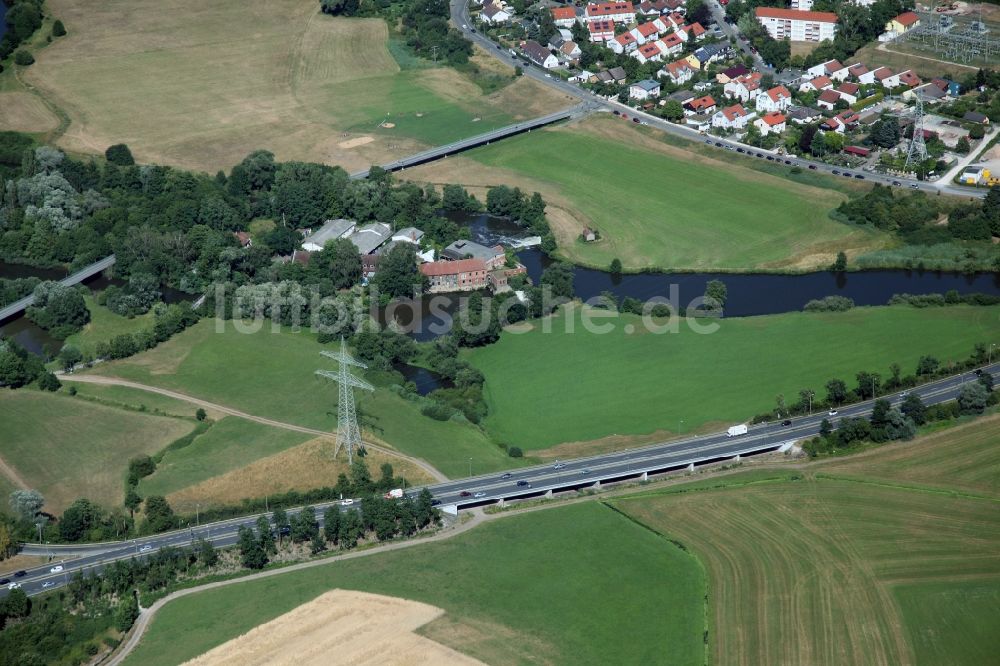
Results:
[18, 307]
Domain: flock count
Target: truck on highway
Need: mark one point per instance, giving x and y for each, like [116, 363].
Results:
[395, 493]
[737, 430]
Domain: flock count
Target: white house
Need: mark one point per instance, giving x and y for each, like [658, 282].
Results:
[848, 92]
[494, 15]
[539, 55]
[732, 117]
[647, 32]
[679, 71]
[643, 90]
[743, 88]
[798, 26]
[830, 68]
[816, 84]
[623, 43]
[770, 123]
[671, 44]
[564, 17]
[331, 230]
[648, 53]
[885, 76]
[601, 31]
[828, 99]
[776, 99]
[617, 12]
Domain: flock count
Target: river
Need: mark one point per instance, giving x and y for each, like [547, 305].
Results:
[3, 14]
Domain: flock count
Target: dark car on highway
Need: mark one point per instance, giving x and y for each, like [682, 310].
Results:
[465, 493]
[523, 484]
[786, 422]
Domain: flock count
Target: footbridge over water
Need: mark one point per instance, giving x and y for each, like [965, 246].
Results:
[17, 307]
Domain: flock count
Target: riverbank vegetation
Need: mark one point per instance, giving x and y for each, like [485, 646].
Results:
[670, 386]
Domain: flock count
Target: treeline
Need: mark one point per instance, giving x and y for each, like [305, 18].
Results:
[381, 518]
[870, 385]
[888, 423]
[423, 23]
[913, 215]
[13, 290]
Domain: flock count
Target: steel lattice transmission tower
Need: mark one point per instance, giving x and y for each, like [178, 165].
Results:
[918, 149]
[348, 433]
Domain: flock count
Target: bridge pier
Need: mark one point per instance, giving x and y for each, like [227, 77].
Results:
[548, 494]
[501, 503]
[644, 477]
[737, 458]
[597, 485]
[691, 467]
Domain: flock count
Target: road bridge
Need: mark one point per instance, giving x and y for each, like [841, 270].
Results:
[20, 306]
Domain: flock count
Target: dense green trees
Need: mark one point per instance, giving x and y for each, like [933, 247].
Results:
[119, 154]
[397, 275]
[58, 309]
[23, 18]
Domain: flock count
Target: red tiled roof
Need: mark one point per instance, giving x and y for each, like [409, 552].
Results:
[702, 103]
[625, 38]
[694, 28]
[647, 29]
[849, 88]
[610, 8]
[437, 268]
[857, 69]
[795, 15]
[774, 118]
[882, 73]
[909, 78]
[778, 93]
[649, 50]
[906, 19]
[821, 82]
[563, 13]
[832, 66]
[829, 96]
[672, 39]
[733, 112]
[601, 26]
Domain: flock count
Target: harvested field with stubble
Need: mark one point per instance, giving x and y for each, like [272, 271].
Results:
[199, 85]
[340, 627]
[24, 112]
[303, 467]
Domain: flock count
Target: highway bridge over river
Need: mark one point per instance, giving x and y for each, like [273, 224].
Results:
[498, 488]
[20, 306]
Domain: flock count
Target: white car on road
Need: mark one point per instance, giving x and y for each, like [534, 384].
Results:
[56, 569]
[47, 584]
[146, 548]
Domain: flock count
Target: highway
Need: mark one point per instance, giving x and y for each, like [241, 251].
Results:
[460, 17]
[570, 475]
[17, 307]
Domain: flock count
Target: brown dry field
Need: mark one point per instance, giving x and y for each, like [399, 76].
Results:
[200, 84]
[24, 112]
[340, 627]
[19, 562]
[303, 467]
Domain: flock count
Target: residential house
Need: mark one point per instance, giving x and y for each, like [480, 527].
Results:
[830, 68]
[588, 235]
[867, 77]
[770, 123]
[498, 280]
[243, 238]
[617, 12]
[728, 75]
[647, 9]
[555, 42]
[648, 53]
[679, 71]
[618, 75]
[733, 117]
[694, 31]
[976, 117]
[828, 99]
[370, 262]
[841, 122]
[700, 122]
[671, 44]
[676, 20]
[643, 90]
[801, 5]
[564, 17]
[885, 76]
[701, 105]
[817, 84]
[849, 92]
[623, 43]
[682, 96]
[776, 99]
[902, 23]
[802, 115]
[331, 230]
[539, 55]
[645, 32]
[601, 31]
[370, 237]
[583, 76]
[711, 53]
[494, 14]
[798, 26]
[950, 88]
[459, 275]
[909, 79]
[743, 88]
[930, 93]
[571, 50]
[857, 70]
[662, 24]
[492, 257]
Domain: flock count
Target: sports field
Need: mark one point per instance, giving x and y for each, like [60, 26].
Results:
[280, 384]
[242, 75]
[68, 448]
[562, 586]
[660, 206]
[826, 570]
[590, 386]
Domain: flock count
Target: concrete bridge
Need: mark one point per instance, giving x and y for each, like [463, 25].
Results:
[18, 307]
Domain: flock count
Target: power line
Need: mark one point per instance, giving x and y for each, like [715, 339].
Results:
[348, 433]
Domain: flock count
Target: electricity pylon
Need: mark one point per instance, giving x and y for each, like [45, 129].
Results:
[348, 433]
[917, 152]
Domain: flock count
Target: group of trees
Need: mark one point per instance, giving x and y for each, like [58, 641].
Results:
[23, 18]
[523, 208]
[913, 215]
[58, 309]
[381, 518]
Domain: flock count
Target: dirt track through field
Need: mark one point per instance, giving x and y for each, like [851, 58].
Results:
[340, 627]
[95, 379]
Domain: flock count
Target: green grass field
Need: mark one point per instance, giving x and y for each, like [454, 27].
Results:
[229, 444]
[823, 570]
[130, 398]
[660, 207]
[69, 448]
[104, 325]
[280, 383]
[573, 585]
[591, 386]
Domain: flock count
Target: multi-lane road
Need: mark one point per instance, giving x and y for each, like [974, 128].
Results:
[460, 17]
[520, 483]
